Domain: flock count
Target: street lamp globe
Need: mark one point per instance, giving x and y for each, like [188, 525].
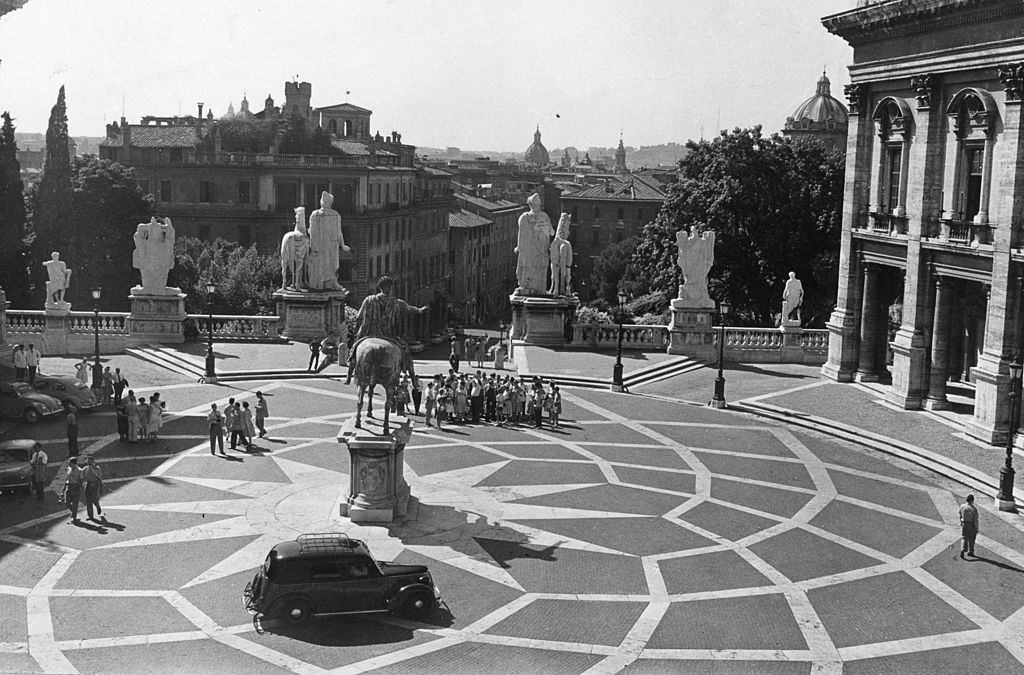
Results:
[96, 293]
[724, 308]
[1015, 369]
[211, 288]
[622, 297]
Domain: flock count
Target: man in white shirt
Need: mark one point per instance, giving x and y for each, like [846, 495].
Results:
[32, 358]
[38, 462]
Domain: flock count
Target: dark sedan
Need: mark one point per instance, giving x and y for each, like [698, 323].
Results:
[17, 399]
[15, 470]
[68, 390]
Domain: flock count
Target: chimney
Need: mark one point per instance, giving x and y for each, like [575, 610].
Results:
[200, 104]
[126, 142]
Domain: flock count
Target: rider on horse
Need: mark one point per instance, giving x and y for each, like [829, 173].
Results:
[379, 317]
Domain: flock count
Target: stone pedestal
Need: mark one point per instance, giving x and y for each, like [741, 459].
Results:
[55, 333]
[792, 350]
[541, 319]
[311, 314]
[691, 330]
[156, 318]
[377, 491]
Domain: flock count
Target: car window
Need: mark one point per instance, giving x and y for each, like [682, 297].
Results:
[358, 570]
[13, 456]
[290, 572]
[325, 571]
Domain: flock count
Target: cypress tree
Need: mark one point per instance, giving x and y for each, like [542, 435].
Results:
[52, 204]
[13, 278]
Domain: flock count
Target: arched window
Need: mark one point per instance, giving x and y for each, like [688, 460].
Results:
[973, 119]
[348, 128]
[894, 123]
[333, 127]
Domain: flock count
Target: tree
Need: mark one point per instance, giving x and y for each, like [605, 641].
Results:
[245, 278]
[108, 204]
[51, 213]
[13, 276]
[298, 139]
[243, 135]
[610, 266]
[774, 205]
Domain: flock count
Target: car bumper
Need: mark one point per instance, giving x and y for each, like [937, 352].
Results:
[12, 483]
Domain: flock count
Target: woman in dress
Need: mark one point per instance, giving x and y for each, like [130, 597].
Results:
[156, 411]
[461, 403]
[248, 428]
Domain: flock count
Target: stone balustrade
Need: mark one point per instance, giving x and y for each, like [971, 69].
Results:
[26, 321]
[634, 336]
[238, 327]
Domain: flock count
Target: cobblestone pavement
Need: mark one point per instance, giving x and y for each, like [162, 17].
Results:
[642, 536]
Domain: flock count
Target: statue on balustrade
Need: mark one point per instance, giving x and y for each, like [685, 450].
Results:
[154, 256]
[325, 243]
[792, 299]
[295, 254]
[696, 256]
[561, 258]
[58, 279]
[535, 233]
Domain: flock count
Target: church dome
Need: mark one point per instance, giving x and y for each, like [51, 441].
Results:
[821, 107]
[537, 154]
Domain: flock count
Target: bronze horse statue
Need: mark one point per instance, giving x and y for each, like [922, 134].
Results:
[378, 361]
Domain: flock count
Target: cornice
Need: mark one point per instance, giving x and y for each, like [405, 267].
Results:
[896, 19]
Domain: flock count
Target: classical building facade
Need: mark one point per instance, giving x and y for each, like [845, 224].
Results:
[820, 118]
[387, 202]
[932, 210]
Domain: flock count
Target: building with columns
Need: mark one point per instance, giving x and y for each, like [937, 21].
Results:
[932, 213]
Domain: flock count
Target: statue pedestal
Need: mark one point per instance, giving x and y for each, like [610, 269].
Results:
[541, 319]
[792, 350]
[156, 318]
[691, 330]
[311, 314]
[377, 491]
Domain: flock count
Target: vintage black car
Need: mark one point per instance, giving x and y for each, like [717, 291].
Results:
[326, 574]
[70, 391]
[17, 399]
[15, 466]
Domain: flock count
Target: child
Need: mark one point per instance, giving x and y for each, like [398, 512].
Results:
[431, 400]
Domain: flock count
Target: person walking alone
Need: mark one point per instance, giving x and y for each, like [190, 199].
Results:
[216, 420]
[38, 462]
[262, 412]
[73, 488]
[92, 480]
[968, 526]
[71, 424]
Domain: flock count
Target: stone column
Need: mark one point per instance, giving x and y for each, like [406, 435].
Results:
[869, 327]
[920, 190]
[940, 344]
[991, 375]
[842, 325]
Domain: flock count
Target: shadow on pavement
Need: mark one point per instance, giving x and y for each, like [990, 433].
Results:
[353, 631]
[996, 563]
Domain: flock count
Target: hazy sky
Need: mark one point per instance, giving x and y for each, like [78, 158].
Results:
[476, 74]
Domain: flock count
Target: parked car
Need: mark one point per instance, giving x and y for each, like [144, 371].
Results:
[17, 399]
[68, 390]
[326, 574]
[15, 470]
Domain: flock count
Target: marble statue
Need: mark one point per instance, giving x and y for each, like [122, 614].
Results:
[58, 279]
[325, 240]
[696, 256]
[792, 298]
[154, 256]
[535, 233]
[561, 258]
[295, 254]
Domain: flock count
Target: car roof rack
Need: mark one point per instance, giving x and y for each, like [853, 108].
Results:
[324, 542]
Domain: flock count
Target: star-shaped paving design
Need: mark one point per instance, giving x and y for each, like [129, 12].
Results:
[641, 535]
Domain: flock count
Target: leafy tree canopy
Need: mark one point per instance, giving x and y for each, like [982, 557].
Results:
[243, 135]
[775, 207]
[610, 266]
[52, 205]
[13, 278]
[245, 278]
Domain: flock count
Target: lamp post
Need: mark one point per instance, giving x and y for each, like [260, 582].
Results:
[718, 401]
[617, 369]
[97, 370]
[1004, 500]
[211, 361]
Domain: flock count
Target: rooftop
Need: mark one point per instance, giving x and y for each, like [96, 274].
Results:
[151, 136]
[618, 189]
[463, 219]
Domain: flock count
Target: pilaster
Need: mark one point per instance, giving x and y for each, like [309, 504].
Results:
[936, 400]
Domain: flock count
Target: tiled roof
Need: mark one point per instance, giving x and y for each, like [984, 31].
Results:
[431, 171]
[152, 136]
[460, 218]
[620, 189]
[350, 147]
[490, 205]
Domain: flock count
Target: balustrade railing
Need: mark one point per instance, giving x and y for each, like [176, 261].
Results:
[231, 327]
[269, 159]
[26, 320]
[964, 232]
[114, 323]
[814, 339]
[887, 223]
[634, 336]
[752, 338]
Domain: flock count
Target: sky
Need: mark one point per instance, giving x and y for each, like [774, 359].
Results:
[478, 74]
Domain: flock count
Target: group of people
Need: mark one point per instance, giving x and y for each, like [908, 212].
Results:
[83, 481]
[473, 350]
[26, 362]
[237, 420]
[139, 420]
[503, 401]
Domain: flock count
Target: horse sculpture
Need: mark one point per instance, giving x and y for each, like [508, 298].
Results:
[377, 361]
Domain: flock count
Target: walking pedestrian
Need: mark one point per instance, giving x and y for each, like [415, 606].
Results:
[262, 413]
[314, 355]
[216, 420]
[417, 396]
[92, 480]
[248, 430]
[108, 385]
[73, 488]
[231, 412]
[20, 363]
[968, 526]
[71, 425]
[120, 382]
[38, 462]
[132, 408]
[32, 358]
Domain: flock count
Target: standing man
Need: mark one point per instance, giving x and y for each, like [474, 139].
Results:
[262, 412]
[71, 422]
[229, 422]
[417, 397]
[108, 384]
[216, 421]
[20, 362]
[92, 479]
[32, 357]
[132, 408]
[314, 356]
[38, 463]
[119, 384]
[73, 488]
[968, 526]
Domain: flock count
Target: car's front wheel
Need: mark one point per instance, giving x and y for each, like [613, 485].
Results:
[31, 415]
[296, 612]
[417, 604]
